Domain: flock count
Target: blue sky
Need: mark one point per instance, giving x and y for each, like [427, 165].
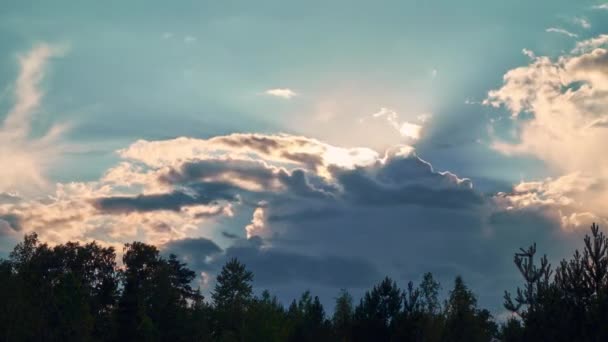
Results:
[129, 107]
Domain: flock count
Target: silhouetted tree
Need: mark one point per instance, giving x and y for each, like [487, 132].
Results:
[464, 322]
[76, 292]
[266, 320]
[343, 316]
[378, 312]
[232, 296]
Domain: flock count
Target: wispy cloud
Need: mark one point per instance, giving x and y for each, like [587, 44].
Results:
[285, 93]
[561, 31]
[601, 7]
[590, 44]
[529, 53]
[189, 39]
[406, 129]
[167, 35]
[582, 22]
[27, 156]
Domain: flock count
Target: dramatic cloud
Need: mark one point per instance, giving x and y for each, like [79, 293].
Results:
[285, 93]
[559, 108]
[294, 209]
[24, 157]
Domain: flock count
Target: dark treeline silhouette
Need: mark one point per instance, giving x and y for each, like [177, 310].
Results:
[75, 292]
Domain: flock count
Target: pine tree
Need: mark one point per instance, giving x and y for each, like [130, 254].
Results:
[232, 296]
[343, 316]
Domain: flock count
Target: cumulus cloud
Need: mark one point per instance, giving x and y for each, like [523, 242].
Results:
[559, 109]
[321, 215]
[569, 199]
[257, 227]
[164, 190]
[562, 31]
[285, 93]
[26, 157]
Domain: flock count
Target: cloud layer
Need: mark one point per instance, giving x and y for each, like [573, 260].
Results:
[292, 208]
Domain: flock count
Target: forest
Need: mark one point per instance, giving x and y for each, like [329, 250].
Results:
[80, 292]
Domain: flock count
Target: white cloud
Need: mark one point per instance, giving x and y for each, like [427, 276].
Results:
[410, 130]
[258, 227]
[189, 39]
[434, 73]
[26, 158]
[562, 31]
[285, 93]
[590, 44]
[406, 129]
[567, 128]
[582, 22]
[601, 6]
[424, 117]
[571, 199]
[528, 53]
[167, 35]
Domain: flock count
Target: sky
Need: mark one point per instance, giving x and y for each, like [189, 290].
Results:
[325, 144]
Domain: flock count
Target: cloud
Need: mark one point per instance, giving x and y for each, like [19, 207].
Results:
[569, 199]
[561, 31]
[590, 44]
[273, 267]
[558, 107]
[582, 22]
[285, 93]
[406, 129]
[424, 117]
[207, 193]
[12, 221]
[257, 227]
[165, 189]
[320, 215]
[189, 39]
[601, 7]
[197, 252]
[26, 158]
[167, 35]
[529, 53]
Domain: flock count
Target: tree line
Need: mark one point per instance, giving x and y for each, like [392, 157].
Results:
[78, 292]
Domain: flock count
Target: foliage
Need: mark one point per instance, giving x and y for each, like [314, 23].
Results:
[78, 292]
